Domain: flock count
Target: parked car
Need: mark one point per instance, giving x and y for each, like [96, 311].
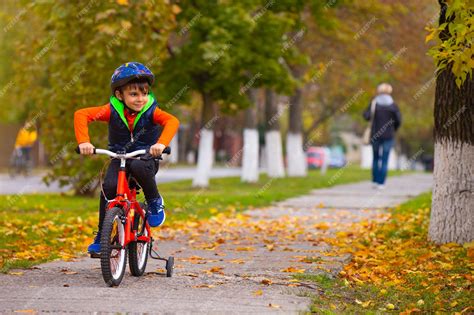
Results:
[337, 158]
[315, 157]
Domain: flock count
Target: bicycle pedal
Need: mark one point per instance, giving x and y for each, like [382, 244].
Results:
[95, 255]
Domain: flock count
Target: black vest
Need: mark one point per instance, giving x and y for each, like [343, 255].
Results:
[145, 132]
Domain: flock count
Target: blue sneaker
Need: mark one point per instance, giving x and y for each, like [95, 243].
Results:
[156, 216]
[94, 248]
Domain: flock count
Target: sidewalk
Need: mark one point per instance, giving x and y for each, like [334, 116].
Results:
[228, 264]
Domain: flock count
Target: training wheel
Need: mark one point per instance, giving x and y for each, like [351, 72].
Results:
[169, 266]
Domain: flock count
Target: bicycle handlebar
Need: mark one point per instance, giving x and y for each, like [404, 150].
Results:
[167, 150]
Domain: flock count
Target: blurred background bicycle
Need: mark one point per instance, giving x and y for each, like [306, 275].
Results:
[20, 160]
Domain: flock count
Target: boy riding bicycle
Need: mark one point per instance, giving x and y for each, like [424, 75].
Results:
[133, 116]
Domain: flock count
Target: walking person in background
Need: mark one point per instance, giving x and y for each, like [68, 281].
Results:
[385, 119]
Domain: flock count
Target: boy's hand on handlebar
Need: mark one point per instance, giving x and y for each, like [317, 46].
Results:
[86, 148]
[157, 149]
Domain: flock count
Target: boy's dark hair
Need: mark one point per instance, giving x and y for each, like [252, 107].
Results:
[141, 84]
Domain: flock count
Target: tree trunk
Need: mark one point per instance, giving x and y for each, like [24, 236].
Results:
[174, 145]
[273, 145]
[206, 143]
[452, 211]
[250, 157]
[295, 155]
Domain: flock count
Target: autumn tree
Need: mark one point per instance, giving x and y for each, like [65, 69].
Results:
[71, 65]
[298, 61]
[452, 212]
[266, 71]
[16, 23]
[223, 52]
[204, 56]
[370, 42]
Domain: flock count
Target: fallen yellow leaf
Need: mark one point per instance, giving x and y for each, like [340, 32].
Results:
[412, 310]
[293, 269]
[70, 272]
[215, 269]
[258, 292]
[191, 275]
[245, 249]
[468, 245]
[321, 226]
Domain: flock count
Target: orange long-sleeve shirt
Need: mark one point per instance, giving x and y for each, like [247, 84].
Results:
[84, 116]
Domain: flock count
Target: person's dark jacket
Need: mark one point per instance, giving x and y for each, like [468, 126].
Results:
[387, 118]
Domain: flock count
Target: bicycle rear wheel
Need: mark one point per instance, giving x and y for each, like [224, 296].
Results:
[138, 252]
[113, 257]
[14, 169]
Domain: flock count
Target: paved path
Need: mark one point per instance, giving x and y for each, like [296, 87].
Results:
[228, 264]
[34, 183]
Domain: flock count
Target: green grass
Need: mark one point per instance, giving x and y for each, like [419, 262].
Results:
[324, 281]
[340, 297]
[38, 228]
[420, 201]
[447, 292]
[68, 214]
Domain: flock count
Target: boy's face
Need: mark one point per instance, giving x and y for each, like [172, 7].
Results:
[133, 97]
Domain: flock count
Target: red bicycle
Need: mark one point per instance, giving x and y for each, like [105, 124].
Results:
[125, 229]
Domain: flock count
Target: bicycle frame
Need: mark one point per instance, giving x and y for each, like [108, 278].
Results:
[124, 212]
[126, 199]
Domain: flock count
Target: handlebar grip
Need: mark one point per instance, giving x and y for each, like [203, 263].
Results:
[167, 150]
[78, 151]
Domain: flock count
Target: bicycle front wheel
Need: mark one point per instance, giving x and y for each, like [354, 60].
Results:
[138, 256]
[113, 256]
[138, 251]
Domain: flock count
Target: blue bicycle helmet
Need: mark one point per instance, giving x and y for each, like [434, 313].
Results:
[128, 72]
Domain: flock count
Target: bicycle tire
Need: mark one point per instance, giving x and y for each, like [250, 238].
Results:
[138, 254]
[113, 233]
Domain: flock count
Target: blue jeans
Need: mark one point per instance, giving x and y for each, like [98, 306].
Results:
[381, 149]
